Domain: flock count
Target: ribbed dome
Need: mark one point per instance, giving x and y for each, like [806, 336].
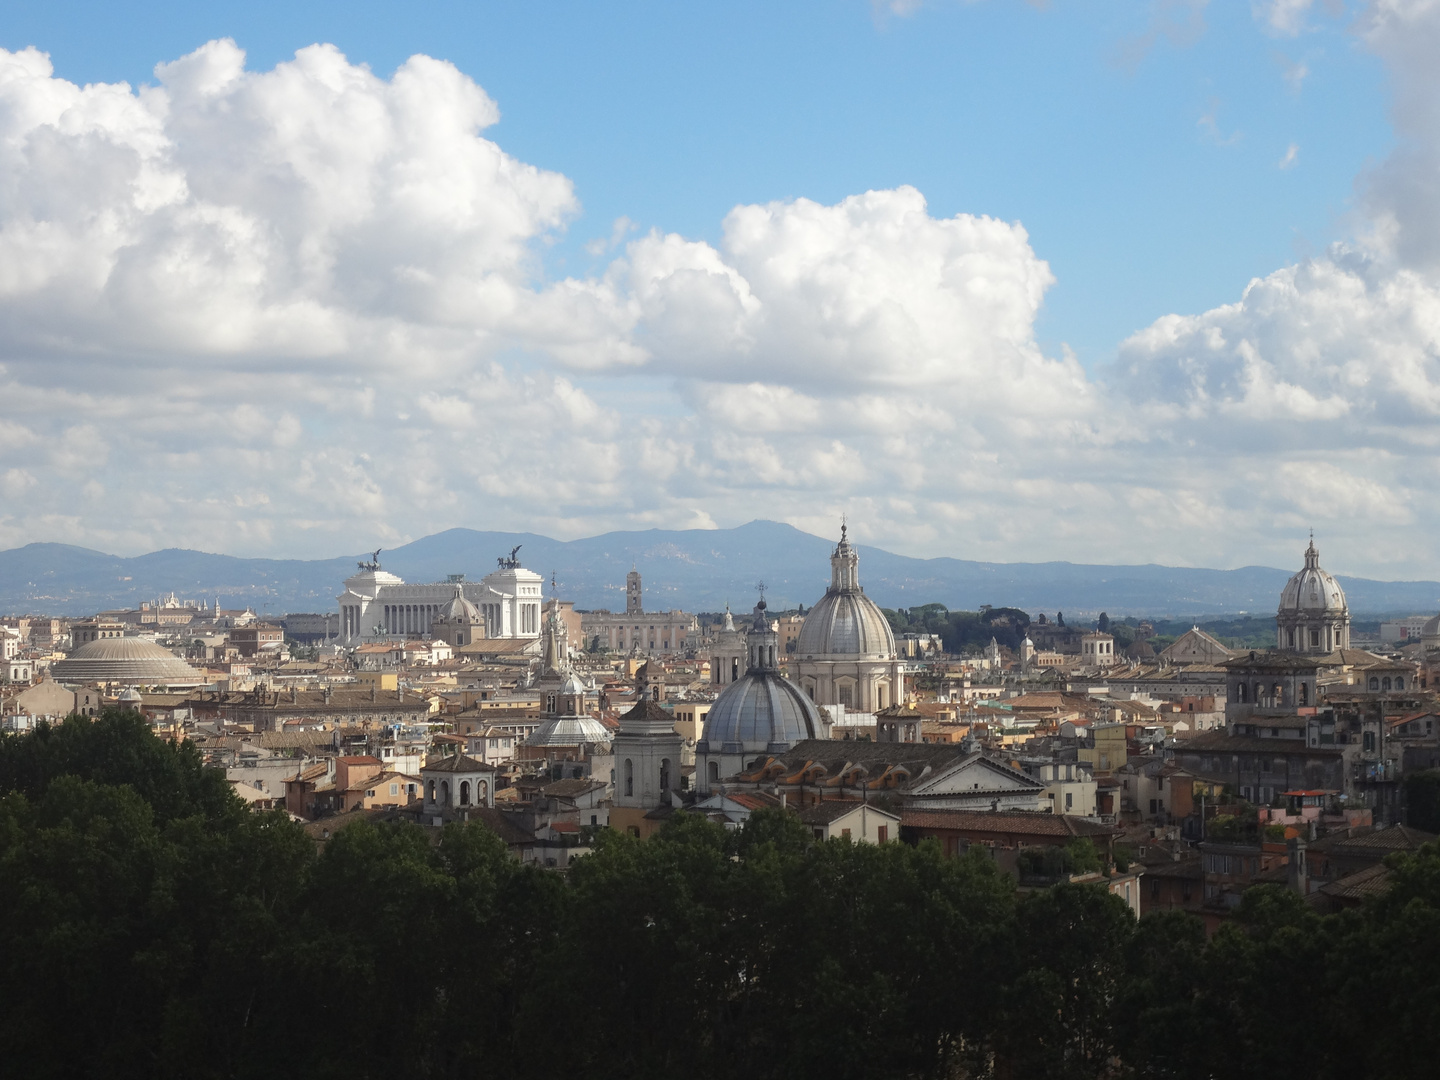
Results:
[761, 707]
[461, 610]
[845, 622]
[569, 731]
[124, 660]
[1312, 591]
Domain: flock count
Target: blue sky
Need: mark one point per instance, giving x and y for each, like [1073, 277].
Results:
[1152, 281]
[1086, 123]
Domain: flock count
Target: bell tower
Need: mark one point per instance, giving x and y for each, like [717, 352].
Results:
[634, 605]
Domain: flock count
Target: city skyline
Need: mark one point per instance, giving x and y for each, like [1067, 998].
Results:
[1000, 283]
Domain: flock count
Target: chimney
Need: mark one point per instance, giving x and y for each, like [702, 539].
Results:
[1298, 869]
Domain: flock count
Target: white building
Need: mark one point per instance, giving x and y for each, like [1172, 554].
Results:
[1313, 616]
[1097, 650]
[377, 604]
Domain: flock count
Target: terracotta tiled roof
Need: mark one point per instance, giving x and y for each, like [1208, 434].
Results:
[1372, 881]
[1048, 825]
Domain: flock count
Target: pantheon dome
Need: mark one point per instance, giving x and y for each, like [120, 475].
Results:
[1313, 616]
[129, 660]
[845, 654]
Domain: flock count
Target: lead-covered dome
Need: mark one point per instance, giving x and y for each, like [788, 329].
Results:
[125, 660]
[761, 709]
[845, 622]
[1312, 591]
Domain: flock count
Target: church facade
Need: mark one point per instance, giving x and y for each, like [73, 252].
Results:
[637, 631]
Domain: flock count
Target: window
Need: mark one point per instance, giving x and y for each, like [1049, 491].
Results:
[1399, 682]
[1069, 800]
[1385, 683]
[629, 778]
[394, 789]
[845, 833]
[464, 792]
[1291, 639]
[1374, 683]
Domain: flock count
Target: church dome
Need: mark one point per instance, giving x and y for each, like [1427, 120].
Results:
[761, 707]
[569, 731]
[845, 622]
[125, 660]
[461, 611]
[1312, 591]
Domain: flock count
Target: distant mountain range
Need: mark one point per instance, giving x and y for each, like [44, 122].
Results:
[694, 570]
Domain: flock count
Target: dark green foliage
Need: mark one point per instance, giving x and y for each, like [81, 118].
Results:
[1422, 800]
[153, 930]
[962, 631]
[1077, 857]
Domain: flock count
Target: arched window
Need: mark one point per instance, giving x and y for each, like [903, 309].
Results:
[431, 796]
[464, 792]
[1259, 694]
[1399, 682]
[1385, 683]
[714, 772]
[1304, 693]
[482, 792]
[1277, 695]
[550, 703]
[629, 777]
[1240, 694]
[734, 668]
[1374, 683]
[445, 793]
[664, 774]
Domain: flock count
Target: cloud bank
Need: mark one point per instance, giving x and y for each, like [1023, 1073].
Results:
[304, 310]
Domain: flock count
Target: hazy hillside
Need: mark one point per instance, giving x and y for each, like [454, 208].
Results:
[698, 570]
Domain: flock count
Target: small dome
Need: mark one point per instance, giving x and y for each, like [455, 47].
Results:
[124, 660]
[130, 696]
[461, 611]
[1312, 591]
[572, 686]
[569, 731]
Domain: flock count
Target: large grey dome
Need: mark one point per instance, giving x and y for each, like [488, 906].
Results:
[1312, 591]
[125, 660]
[846, 622]
[761, 707]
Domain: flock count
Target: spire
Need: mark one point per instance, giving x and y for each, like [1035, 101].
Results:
[844, 565]
[550, 660]
[1312, 557]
